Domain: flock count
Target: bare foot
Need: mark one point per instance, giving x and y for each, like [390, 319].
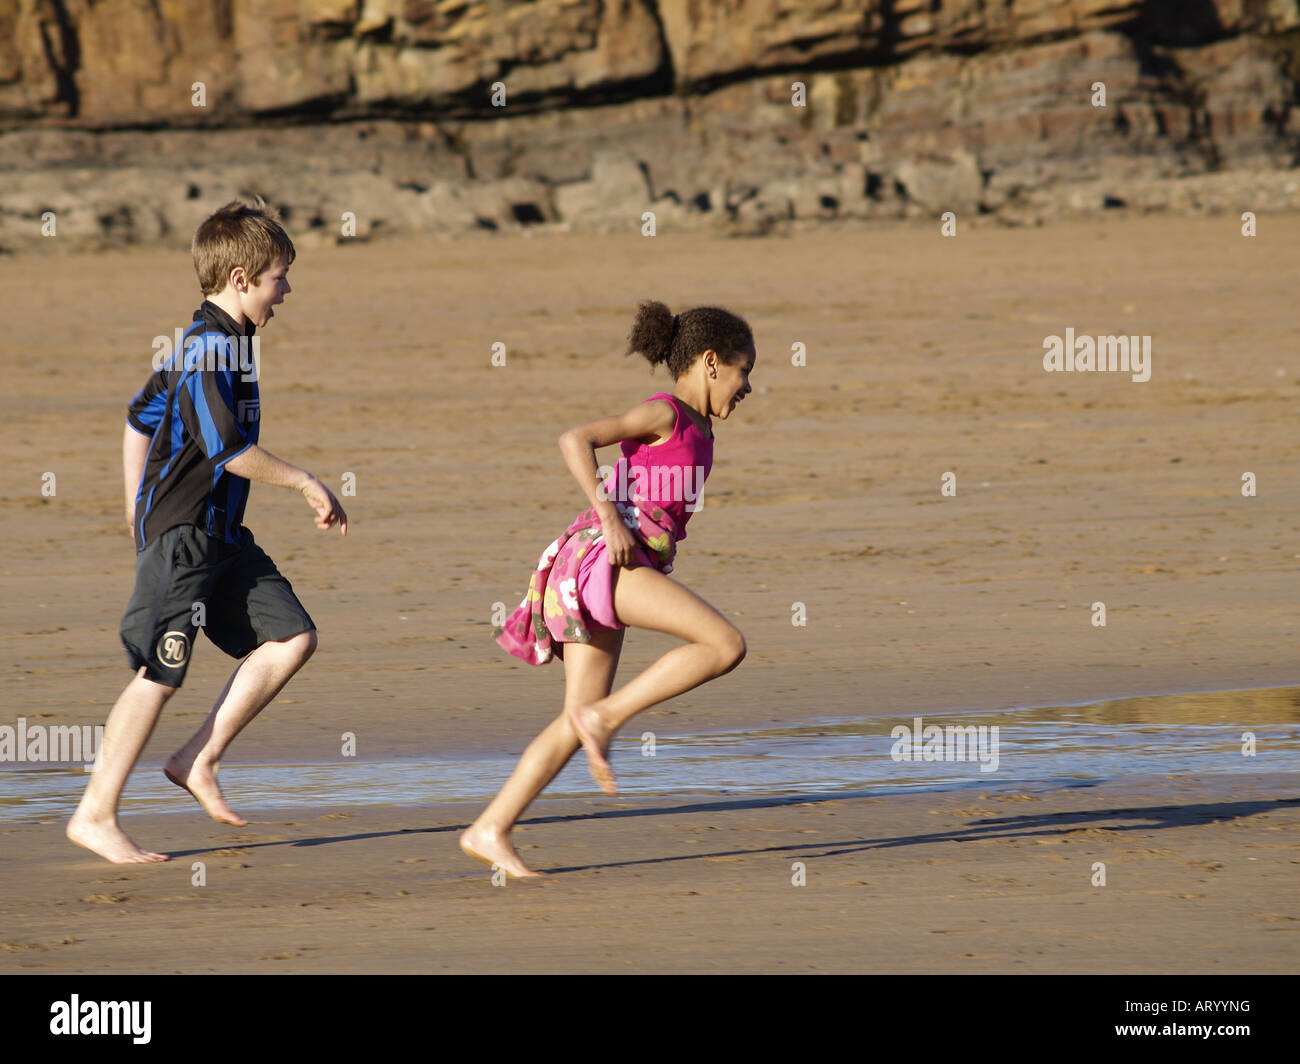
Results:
[109, 841]
[202, 784]
[594, 735]
[495, 850]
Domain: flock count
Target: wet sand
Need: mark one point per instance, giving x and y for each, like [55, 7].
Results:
[923, 357]
[1198, 879]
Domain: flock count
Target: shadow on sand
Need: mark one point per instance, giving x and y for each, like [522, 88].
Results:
[1128, 818]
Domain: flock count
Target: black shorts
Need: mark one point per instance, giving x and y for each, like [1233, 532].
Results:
[186, 580]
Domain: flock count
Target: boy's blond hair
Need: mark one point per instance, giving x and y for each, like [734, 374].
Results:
[239, 234]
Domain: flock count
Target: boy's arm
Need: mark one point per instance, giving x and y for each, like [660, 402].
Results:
[256, 463]
[135, 450]
[208, 411]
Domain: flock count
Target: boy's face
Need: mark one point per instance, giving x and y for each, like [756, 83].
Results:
[270, 290]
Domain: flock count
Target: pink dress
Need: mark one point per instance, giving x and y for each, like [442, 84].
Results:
[656, 488]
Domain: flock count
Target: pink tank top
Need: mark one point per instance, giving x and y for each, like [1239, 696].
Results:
[670, 473]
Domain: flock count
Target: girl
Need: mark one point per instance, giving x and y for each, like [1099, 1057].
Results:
[608, 570]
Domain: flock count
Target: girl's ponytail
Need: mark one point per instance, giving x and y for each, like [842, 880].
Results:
[653, 332]
[678, 339]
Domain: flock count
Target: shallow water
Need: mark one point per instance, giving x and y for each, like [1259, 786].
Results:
[1190, 736]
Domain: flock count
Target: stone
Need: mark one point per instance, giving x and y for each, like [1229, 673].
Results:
[616, 193]
[942, 183]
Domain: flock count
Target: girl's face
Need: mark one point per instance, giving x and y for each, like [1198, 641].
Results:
[730, 385]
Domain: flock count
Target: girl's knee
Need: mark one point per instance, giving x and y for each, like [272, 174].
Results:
[731, 650]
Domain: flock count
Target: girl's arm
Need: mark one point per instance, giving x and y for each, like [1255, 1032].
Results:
[646, 421]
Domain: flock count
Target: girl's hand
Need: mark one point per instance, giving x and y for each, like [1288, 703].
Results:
[620, 544]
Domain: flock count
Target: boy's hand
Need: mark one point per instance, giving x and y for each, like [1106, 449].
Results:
[328, 511]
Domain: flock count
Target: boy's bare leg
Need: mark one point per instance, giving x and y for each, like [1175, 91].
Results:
[130, 723]
[646, 598]
[588, 675]
[256, 680]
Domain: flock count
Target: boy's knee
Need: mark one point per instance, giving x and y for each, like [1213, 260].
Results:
[160, 691]
[303, 644]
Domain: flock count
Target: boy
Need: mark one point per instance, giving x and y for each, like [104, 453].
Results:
[189, 451]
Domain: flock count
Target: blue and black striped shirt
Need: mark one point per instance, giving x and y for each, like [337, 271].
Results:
[201, 409]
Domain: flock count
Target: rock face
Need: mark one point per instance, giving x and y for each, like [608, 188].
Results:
[451, 115]
[136, 61]
[112, 62]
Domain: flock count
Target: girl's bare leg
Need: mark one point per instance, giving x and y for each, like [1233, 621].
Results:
[588, 676]
[646, 598]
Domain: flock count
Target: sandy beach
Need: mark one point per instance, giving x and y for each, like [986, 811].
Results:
[923, 357]
[1199, 879]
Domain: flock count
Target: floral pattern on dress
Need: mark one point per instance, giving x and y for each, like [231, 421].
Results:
[550, 613]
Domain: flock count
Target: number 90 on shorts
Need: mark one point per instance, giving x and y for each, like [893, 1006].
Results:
[173, 649]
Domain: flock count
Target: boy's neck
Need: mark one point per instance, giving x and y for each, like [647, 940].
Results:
[228, 300]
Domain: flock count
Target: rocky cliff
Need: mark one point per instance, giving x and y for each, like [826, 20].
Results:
[129, 118]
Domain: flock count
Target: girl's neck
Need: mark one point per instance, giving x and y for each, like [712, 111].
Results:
[695, 396]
